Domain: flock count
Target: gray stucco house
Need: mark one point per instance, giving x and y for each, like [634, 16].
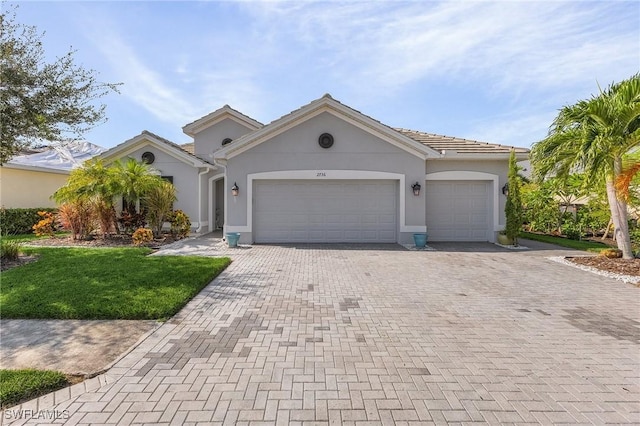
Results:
[328, 173]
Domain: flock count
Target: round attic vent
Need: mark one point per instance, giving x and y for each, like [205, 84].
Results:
[148, 157]
[325, 140]
[226, 141]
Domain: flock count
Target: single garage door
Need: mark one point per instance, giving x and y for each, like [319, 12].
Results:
[458, 210]
[328, 211]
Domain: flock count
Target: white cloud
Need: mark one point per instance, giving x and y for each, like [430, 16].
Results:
[510, 45]
[143, 85]
[516, 128]
[527, 58]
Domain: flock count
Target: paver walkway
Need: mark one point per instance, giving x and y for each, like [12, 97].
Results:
[379, 335]
[76, 347]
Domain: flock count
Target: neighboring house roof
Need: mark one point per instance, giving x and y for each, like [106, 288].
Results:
[165, 145]
[325, 104]
[189, 147]
[65, 156]
[448, 144]
[218, 115]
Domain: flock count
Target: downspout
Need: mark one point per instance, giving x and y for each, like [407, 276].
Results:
[200, 175]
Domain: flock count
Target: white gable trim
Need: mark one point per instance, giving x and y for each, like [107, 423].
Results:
[325, 175]
[226, 112]
[140, 141]
[328, 105]
[468, 175]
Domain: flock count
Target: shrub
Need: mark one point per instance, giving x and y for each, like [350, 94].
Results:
[105, 215]
[571, 230]
[78, 217]
[513, 205]
[594, 215]
[611, 253]
[131, 221]
[180, 224]
[10, 250]
[20, 221]
[46, 226]
[159, 203]
[634, 231]
[142, 236]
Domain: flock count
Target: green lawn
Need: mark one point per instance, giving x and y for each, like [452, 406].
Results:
[591, 246]
[21, 385]
[104, 283]
[28, 237]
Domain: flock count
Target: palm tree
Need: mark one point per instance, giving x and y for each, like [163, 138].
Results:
[93, 184]
[134, 179]
[623, 182]
[593, 136]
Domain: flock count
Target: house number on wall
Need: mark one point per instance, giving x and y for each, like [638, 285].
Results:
[321, 174]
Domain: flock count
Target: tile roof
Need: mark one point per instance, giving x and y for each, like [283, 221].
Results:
[202, 121]
[189, 147]
[459, 145]
[433, 141]
[328, 96]
[175, 145]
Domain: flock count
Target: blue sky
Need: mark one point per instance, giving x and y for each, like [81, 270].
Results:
[490, 71]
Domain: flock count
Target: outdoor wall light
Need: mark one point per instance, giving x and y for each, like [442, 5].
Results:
[505, 189]
[235, 190]
[416, 189]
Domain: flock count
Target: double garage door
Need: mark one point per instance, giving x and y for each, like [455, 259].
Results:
[325, 211]
[458, 210]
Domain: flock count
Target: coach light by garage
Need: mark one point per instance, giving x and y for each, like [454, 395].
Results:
[235, 190]
[416, 189]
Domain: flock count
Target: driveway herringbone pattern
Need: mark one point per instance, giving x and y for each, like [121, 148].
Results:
[370, 335]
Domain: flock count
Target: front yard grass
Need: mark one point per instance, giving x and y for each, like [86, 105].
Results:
[591, 246]
[21, 385]
[29, 237]
[104, 283]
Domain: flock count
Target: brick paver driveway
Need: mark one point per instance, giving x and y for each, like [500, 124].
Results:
[357, 334]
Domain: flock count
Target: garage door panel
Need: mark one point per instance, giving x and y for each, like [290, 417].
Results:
[458, 210]
[325, 211]
[387, 219]
[368, 219]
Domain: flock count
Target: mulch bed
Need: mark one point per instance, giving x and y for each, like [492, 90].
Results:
[629, 267]
[21, 260]
[110, 241]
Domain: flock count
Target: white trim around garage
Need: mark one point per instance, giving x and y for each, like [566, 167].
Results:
[468, 175]
[326, 175]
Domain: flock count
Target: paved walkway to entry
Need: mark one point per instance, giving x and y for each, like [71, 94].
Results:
[339, 334]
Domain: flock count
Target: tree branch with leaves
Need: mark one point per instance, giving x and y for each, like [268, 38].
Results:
[42, 101]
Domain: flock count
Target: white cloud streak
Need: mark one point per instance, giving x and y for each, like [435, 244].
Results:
[143, 85]
[531, 56]
[518, 128]
[511, 44]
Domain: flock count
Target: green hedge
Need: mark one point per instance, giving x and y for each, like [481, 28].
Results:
[20, 221]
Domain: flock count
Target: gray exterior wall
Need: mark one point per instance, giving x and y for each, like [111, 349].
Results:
[210, 140]
[298, 149]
